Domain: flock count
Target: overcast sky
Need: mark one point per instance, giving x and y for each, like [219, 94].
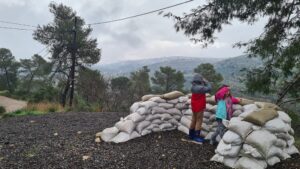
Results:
[150, 36]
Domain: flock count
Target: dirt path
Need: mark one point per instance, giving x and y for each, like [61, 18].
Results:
[61, 140]
[11, 105]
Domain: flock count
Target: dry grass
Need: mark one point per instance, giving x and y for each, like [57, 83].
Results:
[45, 107]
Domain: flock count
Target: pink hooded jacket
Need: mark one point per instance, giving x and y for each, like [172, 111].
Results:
[220, 95]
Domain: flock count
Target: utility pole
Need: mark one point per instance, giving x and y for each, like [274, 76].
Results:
[73, 59]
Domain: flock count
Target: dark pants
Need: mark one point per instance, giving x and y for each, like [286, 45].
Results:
[221, 129]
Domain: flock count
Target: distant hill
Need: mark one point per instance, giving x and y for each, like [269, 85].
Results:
[229, 68]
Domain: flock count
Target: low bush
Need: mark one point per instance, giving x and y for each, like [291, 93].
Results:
[2, 110]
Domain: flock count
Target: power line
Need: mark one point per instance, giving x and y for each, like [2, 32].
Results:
[15, 23]
[134, 16]
[14, 28]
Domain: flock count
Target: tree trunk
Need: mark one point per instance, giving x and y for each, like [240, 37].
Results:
[73, 65]
[7, 80]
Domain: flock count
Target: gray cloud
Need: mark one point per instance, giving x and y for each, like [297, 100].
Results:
[144, 37]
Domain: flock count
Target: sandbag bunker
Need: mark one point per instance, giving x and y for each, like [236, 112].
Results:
[258, 135]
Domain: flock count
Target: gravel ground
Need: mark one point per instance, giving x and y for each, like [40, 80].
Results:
[66, 140]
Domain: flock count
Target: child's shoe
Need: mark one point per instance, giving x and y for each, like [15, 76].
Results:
[191, 134]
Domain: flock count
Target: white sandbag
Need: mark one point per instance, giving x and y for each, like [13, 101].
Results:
[108, 133]
[148, 104]
[188, 112]
[273, 160]
[134, 135]
[274, 151]
[158, 100]
[183, 129]
[157, 121]
[135, 117]
[217, 158]
[183, 99]
[212, 109]
[149, 96]
[241, 128]
[291, 150]
[134, 107]
[158, 110]
[185, 121]
[291, 141]
[250, 150]
[156, 129]
[291, 131]
[166, 105]
[207, 114]
[142, 125]
[205, 127]
[145, 132]
[121, 137]
[256, 127]
[151, 126]
[208, 106]
[173, 122]
[166, 117]
[283, 116]
[232, 138]
[205, 120]
[275, 126]
[153, 117]
[212, 118]
[237, 107]
[142, 111]
[125, 126]
[170, 128]
[177, 117]
[228, 149]
[284, 136]
[236, 113]
[174, 111]
[181, 106]
[165, 126]
[262, 140]
[230, 162]
[203, 133]
[188, 117]
[250, 163]
[174, 101]
[280, 143]
[244, 114]
[250, 108]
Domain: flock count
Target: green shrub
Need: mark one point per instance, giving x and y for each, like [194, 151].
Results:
[2, 110]
[22, 113]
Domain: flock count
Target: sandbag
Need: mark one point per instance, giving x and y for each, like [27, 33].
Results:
[183, 129]
[157, 121]
[166, 105]
[275, 125]
[208, 106]
[188, 112]
[228, 149]
[203, 133]
[183, 99]
[237, 107]
[174, 112]
[151, 126]
[125, 126]
[212, 109]
[149, 96]
[172, 95]
[108, 133]
[262, 140]
[244, 102]
[142, 111]
[148, 104]
[280, 143]
[284, 136]
[250, 150]
[145, 132]
[174, 101]
[291, 150]
[142, 125]
[153, 117]
[156, 129]
[135, 117]
[158, 110]
[250, 163]
[181, 106]
[274, 151]
[134, 107]
[188, 117]
[177, 117]
[157, 100]
[134, 135]
[236, 113]
[121, 137]
[230, 162]
[166, 117]
[250, 108]
[173, 122]
[265, 105]
[242, 128]
[260, 117]
[212, 118]
[165, 126]
[211, 100]
[209, 135]
[207, 114]
[273, 160]
[232, 138]
[285, 117]
[185, 121]
[205, 127]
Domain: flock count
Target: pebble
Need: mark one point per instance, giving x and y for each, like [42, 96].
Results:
[31, 121]
[79, 132]
[98, 134]
[97, 140]
[55, 134]
[85, 158]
